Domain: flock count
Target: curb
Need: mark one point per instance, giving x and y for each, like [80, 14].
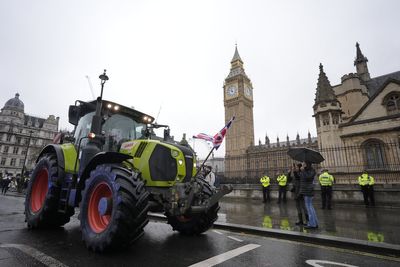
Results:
[337, 242]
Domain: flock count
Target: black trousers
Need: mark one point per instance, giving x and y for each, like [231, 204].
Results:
[368, 194]
[4, 189]
[326, 196]
[266, 196]
[282, 193]
[301, 209]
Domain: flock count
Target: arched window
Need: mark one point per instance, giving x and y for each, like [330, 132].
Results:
[374, 154]
[392, 103]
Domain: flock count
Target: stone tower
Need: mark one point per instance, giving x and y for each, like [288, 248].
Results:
[352, 93]
[361, 65]
[327, 112]
[238, 102]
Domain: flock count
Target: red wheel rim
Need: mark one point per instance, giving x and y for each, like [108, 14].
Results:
[99, 222]
[39, 190]
[183, 218]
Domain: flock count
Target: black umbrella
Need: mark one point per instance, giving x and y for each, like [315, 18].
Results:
[305, 154]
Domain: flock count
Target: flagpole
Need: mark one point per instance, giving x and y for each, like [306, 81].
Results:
[202, 165]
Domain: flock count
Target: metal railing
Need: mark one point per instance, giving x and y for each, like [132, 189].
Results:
[345, 163]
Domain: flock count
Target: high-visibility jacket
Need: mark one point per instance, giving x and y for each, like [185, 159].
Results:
[282, 180]
[264, 181]
[325, 179]
[365, 179]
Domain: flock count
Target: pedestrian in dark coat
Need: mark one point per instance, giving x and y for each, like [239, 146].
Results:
[307, 174]
[6, 184]
[300, 204]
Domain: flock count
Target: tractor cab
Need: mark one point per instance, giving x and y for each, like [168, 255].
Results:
[119, 124]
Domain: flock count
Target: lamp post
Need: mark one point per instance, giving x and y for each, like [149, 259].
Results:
[22, 179]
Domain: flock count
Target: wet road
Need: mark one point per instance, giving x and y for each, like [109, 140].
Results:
[161, 246]
[356, 222]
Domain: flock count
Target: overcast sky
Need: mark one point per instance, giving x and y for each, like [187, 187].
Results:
[176, 55]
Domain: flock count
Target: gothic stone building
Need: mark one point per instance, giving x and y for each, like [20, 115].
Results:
[361, 115]
[22, 136]
[357, 125]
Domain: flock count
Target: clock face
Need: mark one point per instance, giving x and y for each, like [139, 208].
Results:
[231, 90]
[247, 91]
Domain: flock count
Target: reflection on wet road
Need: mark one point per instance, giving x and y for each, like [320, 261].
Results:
[372, 224]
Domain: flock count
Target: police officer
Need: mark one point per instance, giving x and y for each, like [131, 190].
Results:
[366, 183]
[265, 187]
[282, 180]
[326, 181]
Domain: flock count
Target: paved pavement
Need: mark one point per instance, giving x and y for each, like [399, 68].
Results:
[378, 224]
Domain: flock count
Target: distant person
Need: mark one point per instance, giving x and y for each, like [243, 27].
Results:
[210, 176]
[307, 174]
[265, 182]
[300, 204]
[282, 181]
[6, 184]
[366, 183]
[326, 181]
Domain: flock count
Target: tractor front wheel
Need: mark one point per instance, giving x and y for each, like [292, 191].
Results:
[197, 223]
[113, 209]
[43, 194]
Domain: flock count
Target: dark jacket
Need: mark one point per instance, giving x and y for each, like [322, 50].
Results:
[296, 184]
[306, 182]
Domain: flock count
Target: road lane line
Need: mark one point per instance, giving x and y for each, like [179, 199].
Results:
[225, 256]
[218, 232]
[316, 263]
[43, 258]
[234, 238]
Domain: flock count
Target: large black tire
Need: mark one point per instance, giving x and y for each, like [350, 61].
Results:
[113, 209]
[43, 194]
[198, 223]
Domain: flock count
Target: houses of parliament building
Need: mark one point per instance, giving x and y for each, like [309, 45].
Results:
[357, 122]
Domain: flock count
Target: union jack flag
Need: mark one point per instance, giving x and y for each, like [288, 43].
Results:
[204, 137]
[219, 137]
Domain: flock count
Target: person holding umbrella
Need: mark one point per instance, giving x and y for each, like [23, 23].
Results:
[300, 205]
[307, 174]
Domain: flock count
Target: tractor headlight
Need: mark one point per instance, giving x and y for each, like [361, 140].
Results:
[180, 162]
[174, 153]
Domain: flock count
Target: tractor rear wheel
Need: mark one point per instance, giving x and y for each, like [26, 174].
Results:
[197, 223]
[43, 194]
[113, 209]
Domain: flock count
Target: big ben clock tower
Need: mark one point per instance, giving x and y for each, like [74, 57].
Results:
[238, 102]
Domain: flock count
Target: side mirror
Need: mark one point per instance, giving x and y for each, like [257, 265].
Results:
[74, 114]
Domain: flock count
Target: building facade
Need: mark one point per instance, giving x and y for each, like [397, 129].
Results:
[22, 136]
[357, 121]
[362, 116]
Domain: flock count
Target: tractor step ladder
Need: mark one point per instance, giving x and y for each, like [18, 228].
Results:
[64, 195]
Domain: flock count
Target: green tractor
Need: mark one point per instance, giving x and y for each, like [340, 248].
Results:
[116, 170]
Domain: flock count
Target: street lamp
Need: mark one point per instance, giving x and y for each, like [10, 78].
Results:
[23, 166]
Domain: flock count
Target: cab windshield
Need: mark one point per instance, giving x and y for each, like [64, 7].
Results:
[117, 129]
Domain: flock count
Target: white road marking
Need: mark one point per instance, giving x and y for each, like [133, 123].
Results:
[43, 258]
[317, 263]
[225, 256]
[234, 238]
[218, 232]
